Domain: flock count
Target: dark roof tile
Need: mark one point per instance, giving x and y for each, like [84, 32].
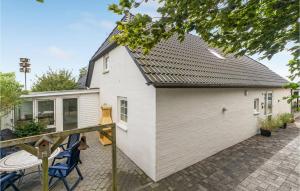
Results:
[190, 63]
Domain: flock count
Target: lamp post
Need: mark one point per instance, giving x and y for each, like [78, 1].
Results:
[25, 67]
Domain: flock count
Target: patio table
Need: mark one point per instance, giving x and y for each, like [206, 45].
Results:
[22, 160]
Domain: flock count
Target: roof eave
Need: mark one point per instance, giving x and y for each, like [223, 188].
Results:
[184, 85]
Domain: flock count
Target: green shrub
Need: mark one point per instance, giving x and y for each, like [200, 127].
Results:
[270, 123]
[29, 128]
[277, 122]
[286, 117]
[266, 124]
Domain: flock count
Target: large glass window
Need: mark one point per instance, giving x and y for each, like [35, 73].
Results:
[24, 112]
[70, 113]
[46, 111]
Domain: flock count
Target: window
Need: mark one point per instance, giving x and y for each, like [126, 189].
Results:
[105, 64]
[270, 99]
[45, 111]
[123, 110]
[70, 113]
[268, 103]
[256, 106]
[215, 53]
[24, 112]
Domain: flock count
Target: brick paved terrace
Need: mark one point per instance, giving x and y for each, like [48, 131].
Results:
[258, 163]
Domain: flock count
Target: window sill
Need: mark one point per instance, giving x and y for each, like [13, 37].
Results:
[105, 71]
[122, 126]
[256, 113]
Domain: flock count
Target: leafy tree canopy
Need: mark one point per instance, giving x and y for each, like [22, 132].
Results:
[55, 80]
[83, 71]
[10, 92]
[236, 26]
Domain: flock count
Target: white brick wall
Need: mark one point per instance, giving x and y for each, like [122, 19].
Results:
[171, 129]
[124, 79]
[190, 125]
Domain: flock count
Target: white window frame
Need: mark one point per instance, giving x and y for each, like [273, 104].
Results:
[105, 64]
[121, 123]
[256, 106]
[36, 102]
[267, 103]
[78, 109]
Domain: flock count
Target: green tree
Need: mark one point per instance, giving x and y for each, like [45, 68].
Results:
[55, 80]
[10, 92]
[82, 71]
[240, 27]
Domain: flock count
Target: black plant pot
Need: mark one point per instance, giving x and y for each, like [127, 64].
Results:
[266, 133]
[283, 126]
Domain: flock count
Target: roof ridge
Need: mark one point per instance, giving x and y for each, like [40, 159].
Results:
[243, 71]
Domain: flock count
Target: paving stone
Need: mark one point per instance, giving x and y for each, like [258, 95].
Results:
[258, 163]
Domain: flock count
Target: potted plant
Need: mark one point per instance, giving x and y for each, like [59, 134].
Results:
[266, 126]
[286, 118]
[278, 123]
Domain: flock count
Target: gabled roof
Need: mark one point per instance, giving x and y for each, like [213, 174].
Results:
[192, 63]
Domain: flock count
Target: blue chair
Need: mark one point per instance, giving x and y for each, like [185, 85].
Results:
[62, 170]
[73, 139]
[7, 151]
[9, 179]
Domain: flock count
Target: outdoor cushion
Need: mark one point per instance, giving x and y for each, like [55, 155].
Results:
[57, 168]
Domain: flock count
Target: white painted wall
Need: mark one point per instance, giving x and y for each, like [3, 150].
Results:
[124, 79]
[88, 107]
[190, 125]
[89, 110]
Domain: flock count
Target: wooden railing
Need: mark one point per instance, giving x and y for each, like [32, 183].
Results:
[58, 138]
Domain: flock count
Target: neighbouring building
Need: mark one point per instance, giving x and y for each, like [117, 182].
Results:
[183, 102]
[60, 110]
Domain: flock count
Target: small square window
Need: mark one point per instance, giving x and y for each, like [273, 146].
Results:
[105, 64]
[123, 109]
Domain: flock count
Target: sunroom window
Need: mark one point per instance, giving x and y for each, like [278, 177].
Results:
[46, 111]
[24, 112]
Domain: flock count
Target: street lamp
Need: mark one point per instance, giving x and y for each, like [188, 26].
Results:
[25, 67]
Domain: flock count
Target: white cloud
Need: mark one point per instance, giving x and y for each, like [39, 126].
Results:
[89, 21]
[59, 53]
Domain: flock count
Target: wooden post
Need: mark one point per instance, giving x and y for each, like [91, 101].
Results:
[44, 151]
[45, 173]
[114, 159]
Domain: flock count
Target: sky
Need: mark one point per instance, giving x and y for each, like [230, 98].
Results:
[64, 34]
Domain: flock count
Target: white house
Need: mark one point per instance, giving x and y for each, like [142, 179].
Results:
[61, 110]
[183, 102]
